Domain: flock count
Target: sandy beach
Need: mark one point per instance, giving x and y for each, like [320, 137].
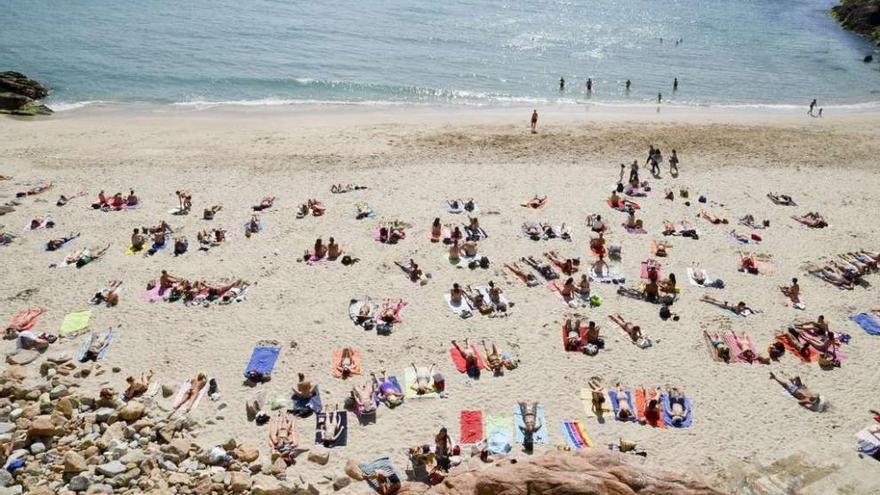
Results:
[411, 159]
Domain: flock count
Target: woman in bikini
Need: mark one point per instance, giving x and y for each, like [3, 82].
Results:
[677, 409]
[192, 393]
[531, 424]
[364, 396]
[496, 361]
[495, 297]
[634, 331]
[527, 277]
[346, 365]
[136, 388]
[573, 335]
[389, 393]
[332, 427]
[471, 363]
[624, 413]
[597, 396]
[795, 386]
[477, 301]
[436, 230]
[283, 438]
[722, 352]
[423, 379]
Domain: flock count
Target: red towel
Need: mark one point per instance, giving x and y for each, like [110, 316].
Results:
[25, 319]
[583, 333]
[794, 348]
[471, 426]
[642, 404]
[460, 362]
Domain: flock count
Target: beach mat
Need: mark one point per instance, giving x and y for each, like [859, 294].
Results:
[587, 400]
[382, 464]
[84, 347]
[74, 323]
[471, 427]
[463, 310]
[303, 407]
[868, 323]
[461, 363]
[793, 349]
[575, 435]
[646, 265]
[668, 419]
[498, 435]
[540, 436]
[263, 359]
[355, 362]
[409, 377]
[184, 388]
[342, 439]
[641, 400]
[25, 319]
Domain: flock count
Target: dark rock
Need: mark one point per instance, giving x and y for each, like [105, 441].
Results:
[16, 82]
[861, 16]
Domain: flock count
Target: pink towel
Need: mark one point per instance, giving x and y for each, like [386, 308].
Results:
[155, 294]
[647, 264]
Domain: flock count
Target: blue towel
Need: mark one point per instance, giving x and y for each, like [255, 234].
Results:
[499, 440]
[304, 407]
[664, 398]
[342, 419]
[383, 464]
[397, 387]
[868, 323]
[615, 404]
[262, 360]
[540, 436]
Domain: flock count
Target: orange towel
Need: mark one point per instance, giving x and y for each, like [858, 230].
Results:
[812, 355]
[337, 360]
[642, 404]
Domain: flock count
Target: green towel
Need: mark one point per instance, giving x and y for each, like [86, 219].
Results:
[74, 323]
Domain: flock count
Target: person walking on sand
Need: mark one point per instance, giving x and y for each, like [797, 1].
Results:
[812, 106]
[561, 84]
[534, 121]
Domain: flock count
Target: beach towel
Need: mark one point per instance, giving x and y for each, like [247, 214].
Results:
[812, 356]
[736, 350]
[184, 389]
[664, 398]
[471, 427]
[501, 298]
[303, 407]
[384, 465]
[354, 309]
[476, 234]
[74, 323]
[633, 230]
[25, 319]
[355, 362]
[84, 347]
[409, 378]
[868, 442]
[342, 422]
[498, 434]
[43, 224]
[263, 358]
[463, 310]
[641, 399]
[611, 275]
[868, 322]
[156, 294]
[623, 204]
[646, 265]
[708, 282]
[587, 400]
[575, 435]
[582, 331]
[447, 205]
[461, 363]
[540, 436]
[615, 399]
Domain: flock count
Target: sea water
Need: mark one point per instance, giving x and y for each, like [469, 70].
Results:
[463, 52]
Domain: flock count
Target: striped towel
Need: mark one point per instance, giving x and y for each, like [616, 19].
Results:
[576, 435]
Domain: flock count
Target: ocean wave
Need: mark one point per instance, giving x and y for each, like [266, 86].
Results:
[66, 106]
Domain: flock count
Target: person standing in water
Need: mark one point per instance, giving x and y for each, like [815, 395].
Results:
[534, 121]
[659, 98]
[589, 85]
[561, 84]
[675, 84]
[628, 83]
[812, 106]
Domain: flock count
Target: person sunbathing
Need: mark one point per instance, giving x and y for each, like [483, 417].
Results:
[624, 413]
[495, 297]
[167, 281]
[496, 361]
[85, 256]
[192, 393]
[469, 205]
[660, 248]
[319, 250]
[634, 331]
[110, 295]
[631, 222]
[831, 275]
[862, 262]
[593, 336]
[455, 294]
[812, 220]
[650, 291]
[333, 250]
[670, 285]
[455, 252]
[181, 245]
[364, 397]
[386, 482]
[209, 213]
[476, 300]
[38, 223]
[436, 230]
[746, 353]
[544, 269]
[38, 189]
[568, 266]
[316, 207]
[455, 235]
[389, 393]
[423, 384]
[677, 410]
[568, 289]
[527, 277]
[346, 365]
[252, 227]
[63, 200]
[781, 199]
[740, 308]
[412, 269]
[531, 424]
[573, 335]
[597, 396]
[332, 428]
[532, 230]
[389, 313]
[712, 218]
[28, 339]
[471, 362]
[536, 202]
[55, 244]
[719, 346]
[795, 386]
[469, 248]
[136, 388]
[283, 437]
[749, 262]
[339, 188]
[265, 203]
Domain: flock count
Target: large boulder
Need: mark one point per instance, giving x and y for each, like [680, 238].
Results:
[19, 95]
[591, 472]
[861, 16]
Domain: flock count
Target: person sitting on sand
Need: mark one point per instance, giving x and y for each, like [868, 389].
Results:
[677, 409]
[55, 244]
[749, 262]
[470, 248]
[110, 295]
[436, 230]
[455, 294]
[650, 291]
[536, 202]
[319, 250]
[597, 396]
[388, 391]
[531, 424]
[209, 213]
[332, 427]
[634, 331]
[364, 396]
[793, 291]
[670, 285]
[346, 365]
[722, 351]
[265, 203]
[333, 250]
[812, 219]
[471, 362]
[593, 336]
[740, 308]
[132, 200]
[795, 386]
[454, 252]
[631, 222]
[316, 206]
[192, 393]
[423, 379]
[283, 437]
[568, 289]
[495, 293]
[527, 277]
[469, 205]
[136, 388]
[712, 218]
[167, 281]
[596, 223]
[583, 287]
[181, 245]
[781, 199]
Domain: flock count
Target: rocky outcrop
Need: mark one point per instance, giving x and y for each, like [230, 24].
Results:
[861, 16]
[590, 472]
[19, 95]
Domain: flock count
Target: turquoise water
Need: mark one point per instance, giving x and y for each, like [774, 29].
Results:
[737, 52]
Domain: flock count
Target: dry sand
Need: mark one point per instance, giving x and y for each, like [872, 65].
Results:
[413, 159]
